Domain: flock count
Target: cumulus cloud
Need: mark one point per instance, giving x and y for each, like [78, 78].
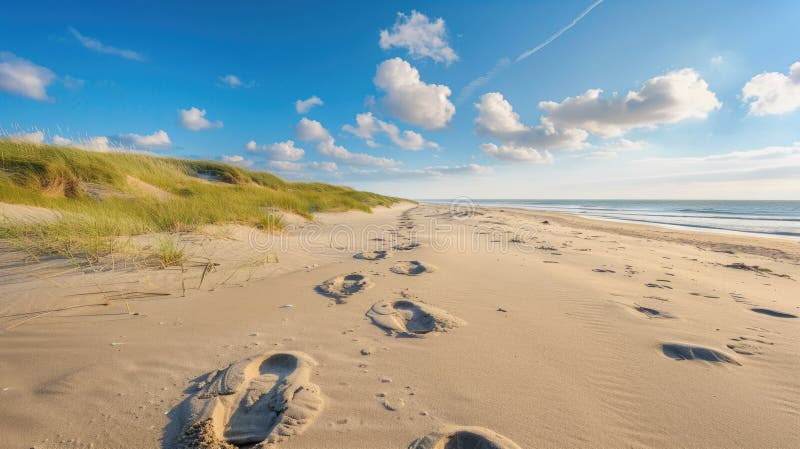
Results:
[410, 99]
[234, 82]
[21, 77]
[61, 141]
[329, 167]
[773, 92]
[96, 45]
[312, 130]
[669, 98]
[195, 119]
[303, 106]
[98, 143]
[367, 127]
[36, 137]
[158, 140]
[421, 37]
[497, 119]
[330, 149]
[280, 151]
[121, 142]
[237, 160]
[515, 153]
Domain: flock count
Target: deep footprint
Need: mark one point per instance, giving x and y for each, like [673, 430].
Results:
[773, 313]
[257, 401]
[411, 318]
[340, 287]
[412, 268]
[373, 255]
[463, 438]
[685, 352]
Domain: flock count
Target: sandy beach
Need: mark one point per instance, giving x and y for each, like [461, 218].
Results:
[542, 330]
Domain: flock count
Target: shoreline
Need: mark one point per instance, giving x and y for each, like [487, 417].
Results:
[686, 227]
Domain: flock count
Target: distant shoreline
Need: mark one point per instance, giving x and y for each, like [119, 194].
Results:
[694, 221]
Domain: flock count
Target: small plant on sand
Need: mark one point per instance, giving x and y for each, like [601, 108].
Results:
[169, 253]
[271, 223]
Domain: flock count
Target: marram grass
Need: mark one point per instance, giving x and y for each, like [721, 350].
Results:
[100, 197]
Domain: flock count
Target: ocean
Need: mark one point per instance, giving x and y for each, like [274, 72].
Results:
[760, 217]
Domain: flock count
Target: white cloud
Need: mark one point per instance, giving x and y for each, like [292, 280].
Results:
[515, 153]
[340, 153]
[613, 149]
[329, 167]
[61, 141]
[497, 119]
[158, 140]
[234, 82]
[312, 130]
[303, 106]
[195, 119]
[368, 126]
[410, 99]
[771, 153]
[96, 45]
[436, 171]
[773, 92]
[669, 98]
[280, 151]
[98, 143]
[237, 160]
[36, 137]
[421, 37]
[21, 77]
[121, 142]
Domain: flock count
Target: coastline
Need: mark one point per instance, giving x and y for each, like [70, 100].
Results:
[626, 215]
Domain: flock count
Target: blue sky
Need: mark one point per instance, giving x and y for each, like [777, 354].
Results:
[698, 100]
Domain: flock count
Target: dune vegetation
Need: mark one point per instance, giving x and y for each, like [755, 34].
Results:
[96, 197]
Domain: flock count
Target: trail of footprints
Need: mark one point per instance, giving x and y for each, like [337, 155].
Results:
[263, 400]
[743, 345]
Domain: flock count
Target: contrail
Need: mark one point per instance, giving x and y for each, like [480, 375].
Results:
[504, 63]
[558, 33]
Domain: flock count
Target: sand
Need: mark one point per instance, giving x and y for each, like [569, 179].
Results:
[571, 333]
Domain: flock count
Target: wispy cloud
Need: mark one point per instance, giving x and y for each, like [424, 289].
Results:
[96, 45]
[22, 77]
[558, 33]
[504, 63]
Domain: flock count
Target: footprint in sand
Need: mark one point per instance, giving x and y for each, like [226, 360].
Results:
[411, 318]
[772, 313]
[650, 312]
[258, 401]
[412, 268]
[340, 287]
[460, 437]
[406, 246]
[373, 255]
[685, 352]
[748, 346]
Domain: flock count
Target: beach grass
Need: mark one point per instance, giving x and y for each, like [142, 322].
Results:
[101, 196]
